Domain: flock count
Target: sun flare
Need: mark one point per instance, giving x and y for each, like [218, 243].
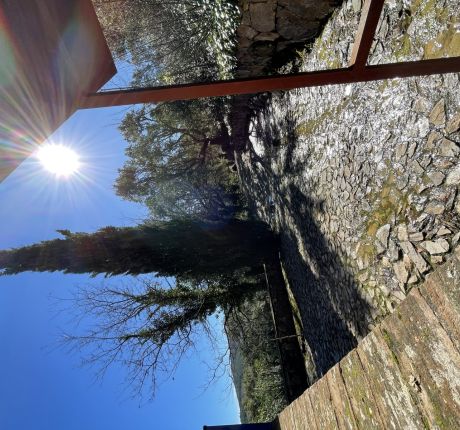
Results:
[59, 159]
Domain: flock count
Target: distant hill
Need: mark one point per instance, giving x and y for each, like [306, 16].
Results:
[255, 360]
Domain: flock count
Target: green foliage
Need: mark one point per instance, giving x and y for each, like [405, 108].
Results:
[172, 41]
[178, 152]
[256, 361]
[175, 165]
[149, 328]
[186, 249]
[263, 385]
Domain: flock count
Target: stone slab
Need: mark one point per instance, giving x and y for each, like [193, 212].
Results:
[364, 407]
[398, 410]
[429, 362]
[322, 405]
[340, 400]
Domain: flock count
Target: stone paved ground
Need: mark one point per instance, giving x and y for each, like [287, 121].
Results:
[361, 181]
[404, 375]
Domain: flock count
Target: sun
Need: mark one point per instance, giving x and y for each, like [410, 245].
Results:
[59, 159]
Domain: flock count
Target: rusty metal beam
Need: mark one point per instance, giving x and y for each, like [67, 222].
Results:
[356, 72]
[370, 15]
[271, 83]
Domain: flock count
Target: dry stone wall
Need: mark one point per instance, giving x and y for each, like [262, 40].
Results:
[362, 181]
[268, 35]
[403, 375]
[270, 30]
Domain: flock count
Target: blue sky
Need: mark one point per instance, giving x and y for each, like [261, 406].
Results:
[43, 387]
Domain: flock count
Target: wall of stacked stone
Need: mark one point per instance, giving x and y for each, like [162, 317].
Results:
[362, 181]
[404, 375]
[270, 29]
[268, 35]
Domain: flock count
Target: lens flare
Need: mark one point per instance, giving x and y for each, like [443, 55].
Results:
[59, 159]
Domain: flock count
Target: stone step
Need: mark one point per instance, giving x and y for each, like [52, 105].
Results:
[404, 375]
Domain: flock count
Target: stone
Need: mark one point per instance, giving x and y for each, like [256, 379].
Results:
[399, 295]
[379, 248]
[425, 161]
[456, 239]
[400, 150]
[416, 237]
[267, 37]
[439, 246]
[412, 280]
[414, 256]
[450, 200]
[437, 259]
[304, 8]
[433, 137]
[382, 234]
[356, 5]
[401, 272]
[454, 124]
[421, 220]
[407, 262]
[436, 177]
[384, 290]
[438, 114]
[246, 32]
[411, 149]
[435, 208]
[448, 148]
[262, 17]
[417, 168]
[292, 26]
[421, 105]
[402, 181]
[362, 277]
[443, 231]
[386, 261]
[402, 232]
[422, 187]
[393, 251]
[453, 178]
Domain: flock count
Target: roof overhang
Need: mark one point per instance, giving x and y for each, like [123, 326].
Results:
[52, 53]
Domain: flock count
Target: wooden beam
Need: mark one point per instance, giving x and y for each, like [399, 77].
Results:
[270, 83]
[370, 15]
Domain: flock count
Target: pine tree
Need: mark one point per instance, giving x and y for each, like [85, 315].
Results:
[149, 328]
[186, 249]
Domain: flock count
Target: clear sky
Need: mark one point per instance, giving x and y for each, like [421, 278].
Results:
[43, 387]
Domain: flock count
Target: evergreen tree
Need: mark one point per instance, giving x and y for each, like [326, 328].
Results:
[171, 41]
[150, 328]
[175, 164]
[180, 248]
[147, 327]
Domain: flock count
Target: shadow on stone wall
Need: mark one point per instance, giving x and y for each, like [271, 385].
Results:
[334, 315]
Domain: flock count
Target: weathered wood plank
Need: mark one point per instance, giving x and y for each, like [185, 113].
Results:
[306, 406]
[438, 300]
[283, 420]
[442, 293]
[298, 416]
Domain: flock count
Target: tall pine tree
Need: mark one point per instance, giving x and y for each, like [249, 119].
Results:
[149, 328]
[180, 248]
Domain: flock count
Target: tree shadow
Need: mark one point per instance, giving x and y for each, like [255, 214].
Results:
[334, 314]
